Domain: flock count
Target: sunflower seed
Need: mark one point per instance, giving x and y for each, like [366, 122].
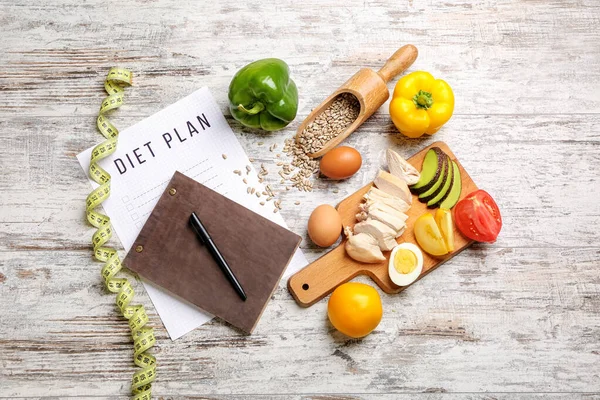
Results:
[340, 114]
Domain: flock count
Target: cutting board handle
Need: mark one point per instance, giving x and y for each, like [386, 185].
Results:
[320, 278]
[398, 62]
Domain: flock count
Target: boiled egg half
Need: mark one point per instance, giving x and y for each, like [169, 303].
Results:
[406, 264]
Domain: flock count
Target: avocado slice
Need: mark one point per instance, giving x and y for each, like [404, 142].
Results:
[434, 190]
[445, 189]
[430, 171]
[454, 193]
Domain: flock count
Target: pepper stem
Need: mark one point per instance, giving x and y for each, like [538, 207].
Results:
[256, 108]
[423, 99]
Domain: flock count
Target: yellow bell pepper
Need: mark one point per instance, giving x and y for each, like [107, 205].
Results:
[421, 104]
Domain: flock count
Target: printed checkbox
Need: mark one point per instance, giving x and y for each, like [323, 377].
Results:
[125, 199]
[135, 216]
[138, 224]
[129, 207]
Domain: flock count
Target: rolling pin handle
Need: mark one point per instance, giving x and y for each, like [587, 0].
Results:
[398, 62]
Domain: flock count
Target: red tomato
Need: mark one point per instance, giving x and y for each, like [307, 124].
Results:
[477, 216]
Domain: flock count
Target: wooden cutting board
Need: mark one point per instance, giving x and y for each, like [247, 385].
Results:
[322, 276]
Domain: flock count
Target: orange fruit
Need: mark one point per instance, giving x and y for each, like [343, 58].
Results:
[355, 309]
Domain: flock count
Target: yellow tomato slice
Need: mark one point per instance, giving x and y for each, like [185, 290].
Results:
[428, 235]
[443, 218]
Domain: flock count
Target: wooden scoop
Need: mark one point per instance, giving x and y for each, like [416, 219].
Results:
[369, 87]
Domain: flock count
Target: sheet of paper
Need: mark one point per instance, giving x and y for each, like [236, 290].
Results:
[189, 136]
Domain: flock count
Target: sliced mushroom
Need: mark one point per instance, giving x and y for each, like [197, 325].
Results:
[363, 248]
[399, 167]
[384, 234]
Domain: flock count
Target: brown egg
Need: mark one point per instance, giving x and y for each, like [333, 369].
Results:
[340, 163]
[324, 225]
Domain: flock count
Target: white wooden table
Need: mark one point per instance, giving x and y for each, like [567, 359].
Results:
[519, 319]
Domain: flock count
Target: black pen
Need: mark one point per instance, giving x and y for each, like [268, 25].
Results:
[216, 254]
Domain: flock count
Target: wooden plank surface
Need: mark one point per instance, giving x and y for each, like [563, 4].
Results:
[519, 319]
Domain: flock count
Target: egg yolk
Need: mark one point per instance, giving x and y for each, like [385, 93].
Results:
[405, 261]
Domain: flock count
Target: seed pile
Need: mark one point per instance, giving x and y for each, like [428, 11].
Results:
[262, 173]
[334, 120]
[268, 192]
[300, 170]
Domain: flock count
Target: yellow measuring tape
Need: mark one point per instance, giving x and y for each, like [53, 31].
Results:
[143, 336]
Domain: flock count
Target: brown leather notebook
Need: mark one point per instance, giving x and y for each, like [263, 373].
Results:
[168, 252]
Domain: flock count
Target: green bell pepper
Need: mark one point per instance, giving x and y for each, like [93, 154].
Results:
[262, 95]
